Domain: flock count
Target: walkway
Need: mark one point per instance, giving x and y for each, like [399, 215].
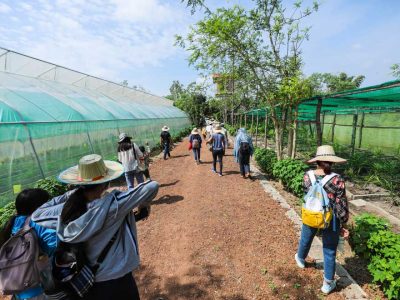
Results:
[211, 237]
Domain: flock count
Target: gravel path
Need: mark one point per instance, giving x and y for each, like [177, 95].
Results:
[211, 237]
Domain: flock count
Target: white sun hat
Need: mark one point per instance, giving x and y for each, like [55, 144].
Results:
[92, 169]
[195, 131]
[326, 153]
[165, 128]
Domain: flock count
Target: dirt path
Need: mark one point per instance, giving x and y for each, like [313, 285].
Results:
[211, 237]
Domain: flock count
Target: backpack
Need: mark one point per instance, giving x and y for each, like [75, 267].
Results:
[244, 148]
[72, 274]
[195, 143]
[18, 261]
[316, 211]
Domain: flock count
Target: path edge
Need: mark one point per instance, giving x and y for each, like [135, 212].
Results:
[351, 291]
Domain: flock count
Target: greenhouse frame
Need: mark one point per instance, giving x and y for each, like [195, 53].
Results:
[50, 116]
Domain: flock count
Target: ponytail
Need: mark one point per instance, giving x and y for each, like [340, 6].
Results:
[75, 206]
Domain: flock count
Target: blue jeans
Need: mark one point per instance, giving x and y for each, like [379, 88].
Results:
[166, 150]
[130, 178]
[330, 241]
[196, 153]
[244, 169]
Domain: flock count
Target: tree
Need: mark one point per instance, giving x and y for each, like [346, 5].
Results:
[265, 41]
[176, 90]
[327, 83]
[124, 83]
[396, 70]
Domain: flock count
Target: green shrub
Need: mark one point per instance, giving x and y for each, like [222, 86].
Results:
[385, 261]
[266, 159]
[365, 226]
[291, 173]
[231, 129]
[6, 212]
[52, 186]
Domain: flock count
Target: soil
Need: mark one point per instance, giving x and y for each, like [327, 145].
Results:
[211, 237]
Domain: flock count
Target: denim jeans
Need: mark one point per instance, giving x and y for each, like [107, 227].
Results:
[130, 178]
[196, 153]
[218, 156]
[330, 239]
[166, 150]
[244, 169]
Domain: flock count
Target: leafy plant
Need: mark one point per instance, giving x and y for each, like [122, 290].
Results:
[290, 172]
[266, 159]
[52, 186]
[6, 212]
[365, 226]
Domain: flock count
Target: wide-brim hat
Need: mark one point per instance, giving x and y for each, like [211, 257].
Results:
[326, 153]
[92, 169]
[165, 128]
[123, 136]
[195, 131]
[217, 129]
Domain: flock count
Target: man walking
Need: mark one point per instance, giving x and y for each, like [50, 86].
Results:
[166, 141]
[218, 148]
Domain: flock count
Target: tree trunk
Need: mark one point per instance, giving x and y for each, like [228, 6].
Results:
[318, 122]
[278, 134]
[295, 124]
[290, 133]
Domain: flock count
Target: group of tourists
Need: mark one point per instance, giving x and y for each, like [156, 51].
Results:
[89, 233]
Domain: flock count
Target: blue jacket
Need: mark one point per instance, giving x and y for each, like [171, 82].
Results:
[47, 244]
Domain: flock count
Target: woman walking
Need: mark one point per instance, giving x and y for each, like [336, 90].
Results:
[217, 140]
[332, 195]
[130, 155]
[242, 151]
[25, 204]
[102, 224]
[195, 142]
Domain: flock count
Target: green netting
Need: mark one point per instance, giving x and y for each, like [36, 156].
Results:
[46, 126]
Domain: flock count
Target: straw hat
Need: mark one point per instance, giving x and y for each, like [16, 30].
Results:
[123, 136]
[326, 153]
[165, 128]
[217, 129]
[92, 169]
[195, 131]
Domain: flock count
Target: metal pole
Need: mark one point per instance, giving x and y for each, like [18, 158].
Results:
[34, 152]
[318, 122]
[361, 129]
[245, 121]
[252, 121]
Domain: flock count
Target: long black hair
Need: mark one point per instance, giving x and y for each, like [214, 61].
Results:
[25, 204]
[326, 166]
[76, 204]
[125, 144]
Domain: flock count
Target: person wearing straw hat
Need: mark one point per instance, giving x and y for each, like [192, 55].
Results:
[334, 186]
[165, 141]
[218, 142]
[103, 225]
[195, 142]
[130, 156]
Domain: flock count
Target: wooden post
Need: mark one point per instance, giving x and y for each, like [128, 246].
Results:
[361, 129]
[252, 121]
[245, 121]
[257, 130]
[353, 133]
[265, 130]
[318, 122]
[333, 128]
[241, 119]
[323, 125]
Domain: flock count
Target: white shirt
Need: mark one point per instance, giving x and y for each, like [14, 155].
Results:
[127, 158]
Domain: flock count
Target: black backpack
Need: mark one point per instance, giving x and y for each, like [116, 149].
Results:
[244, 148]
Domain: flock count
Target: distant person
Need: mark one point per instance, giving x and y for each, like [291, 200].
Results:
[97, 231]
[146, 161]
[195, 141]
[129, 155]
[209, 128]
[325, 196]
[166, 141]
[243, 150]
[25, 204]
[218, 144]
[225, 132]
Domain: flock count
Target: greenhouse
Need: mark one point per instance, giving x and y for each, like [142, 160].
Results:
[50, 116]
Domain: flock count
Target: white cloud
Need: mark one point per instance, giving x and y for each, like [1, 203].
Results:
[4, 8]
[26, 6]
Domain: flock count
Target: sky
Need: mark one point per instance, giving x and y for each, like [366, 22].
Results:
[133, 40]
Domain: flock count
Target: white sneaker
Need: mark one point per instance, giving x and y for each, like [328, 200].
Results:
[328, 287]
[301, 263]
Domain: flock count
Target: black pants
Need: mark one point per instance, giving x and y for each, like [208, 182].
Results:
[146, 173]
[123, 288]
[217, 156]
